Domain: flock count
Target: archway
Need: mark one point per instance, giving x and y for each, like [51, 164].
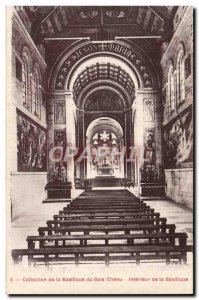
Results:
[114, 82]
[104, 138]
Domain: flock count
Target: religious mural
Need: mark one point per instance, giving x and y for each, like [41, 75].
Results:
[60, 140]
[103, 100]
[149, 145]
[178, 143]
[149, 111]
[60, 112]
[31, 146]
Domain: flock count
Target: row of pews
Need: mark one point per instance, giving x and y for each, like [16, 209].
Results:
[108, 226]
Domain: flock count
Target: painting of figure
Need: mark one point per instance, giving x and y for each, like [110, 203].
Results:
[149, 112]
[179, 142]
[149, 145]
[31, 146]
[60, 112]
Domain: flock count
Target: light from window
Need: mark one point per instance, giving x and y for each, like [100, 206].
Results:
[24, 80]
[180, 77]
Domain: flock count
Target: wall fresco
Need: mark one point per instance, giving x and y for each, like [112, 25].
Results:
[31, 146]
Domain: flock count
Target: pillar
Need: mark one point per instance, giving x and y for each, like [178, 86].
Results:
[70, 135]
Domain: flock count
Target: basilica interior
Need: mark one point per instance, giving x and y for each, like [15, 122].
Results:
[101, 109]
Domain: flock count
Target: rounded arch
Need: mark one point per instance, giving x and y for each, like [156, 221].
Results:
[104, 134]
[36, 70]
[102, 85]
[101, 123]
[25, 54]
[102, 60]
[138, 61]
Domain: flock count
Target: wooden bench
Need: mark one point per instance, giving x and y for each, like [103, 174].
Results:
[60, 223]
[174, 239]
[85, 229]
[107, 207]
[115, 205]
[105, 216]
[106, 254]
[146, 210]
[105, 201]
[108, 198]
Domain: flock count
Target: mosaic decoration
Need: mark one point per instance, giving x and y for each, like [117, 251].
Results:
[31, 146]
[178, 143]
[88, 14]
[60, 112]
[149, 145]
[60, 140]
[103, 100]
[90, 48]
[115, 14]
[149, 111]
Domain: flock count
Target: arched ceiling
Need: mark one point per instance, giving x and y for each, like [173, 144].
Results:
[52, 26]
[104, 123]
[103, 71]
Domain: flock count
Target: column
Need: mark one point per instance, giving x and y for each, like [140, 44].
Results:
[81, 142]
[158, 129]
[50, 129]
[139, 134]
[70, 135]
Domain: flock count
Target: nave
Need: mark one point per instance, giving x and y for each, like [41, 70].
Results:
[108, 226]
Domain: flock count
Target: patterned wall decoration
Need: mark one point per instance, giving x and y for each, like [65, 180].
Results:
[149, 111]
[149, 145]
[31, 146]
[103, 100]
[178, 143]
[88, 14]
[60, 111]
[91, 48]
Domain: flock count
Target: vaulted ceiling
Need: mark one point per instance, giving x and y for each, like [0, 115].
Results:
[58, 26]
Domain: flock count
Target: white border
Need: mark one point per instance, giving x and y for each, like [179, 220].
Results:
[3, 4]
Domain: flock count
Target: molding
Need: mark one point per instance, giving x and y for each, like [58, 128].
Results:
[28, 38]
[177, 32]
[29, 114]
[177, 113]
[28, 173]
[179, 170]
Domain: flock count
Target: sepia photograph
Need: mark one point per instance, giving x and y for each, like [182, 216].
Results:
[100, 150]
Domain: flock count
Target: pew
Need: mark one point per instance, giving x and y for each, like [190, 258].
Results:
[68, 210]
[105, 215]
[60, 223]
[174, 239]
[126, 228]
[81, 254]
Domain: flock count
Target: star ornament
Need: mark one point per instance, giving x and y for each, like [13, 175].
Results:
[104, 136]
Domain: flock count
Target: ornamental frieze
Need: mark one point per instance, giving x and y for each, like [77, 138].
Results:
[93, 48]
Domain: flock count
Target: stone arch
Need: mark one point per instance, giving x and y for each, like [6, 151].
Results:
[128, 53]
[127, 101]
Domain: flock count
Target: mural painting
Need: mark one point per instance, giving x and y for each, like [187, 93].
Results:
[31, 146]
[60, 140]
[178, 143]
[149, 112]
[60, 112]
[149, 145]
